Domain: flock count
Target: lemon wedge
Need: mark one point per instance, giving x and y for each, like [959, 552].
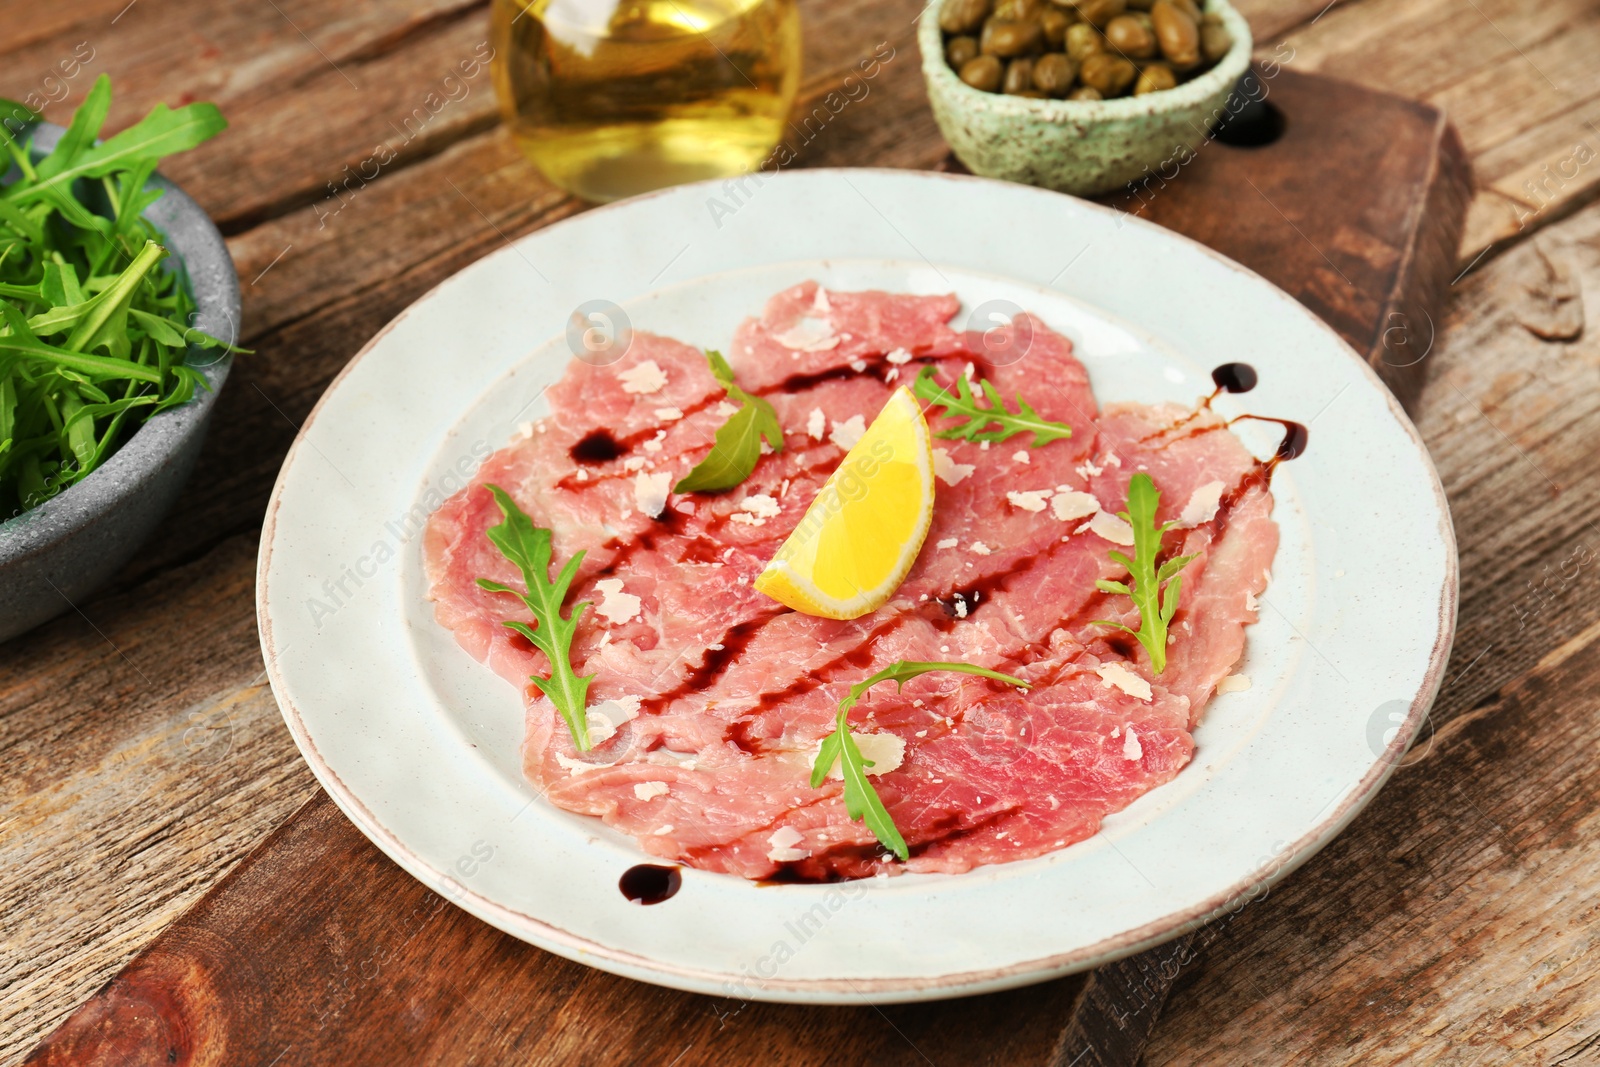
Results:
[862, 533]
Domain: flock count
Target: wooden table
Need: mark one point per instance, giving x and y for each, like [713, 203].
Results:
[1454, 922]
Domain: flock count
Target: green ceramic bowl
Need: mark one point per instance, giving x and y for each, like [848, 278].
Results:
[1079, 146]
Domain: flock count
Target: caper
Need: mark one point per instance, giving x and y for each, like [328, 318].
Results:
[1177, 34]
[1031, 94]
[1019, 76]
[1190, 8]
[1018, 10]
[1154, 78]
[1083, 41]
[1215, 40]
[959, 50]
[1099, 12]
[1053, 23]
[1085, 92]
[983, 73]
[1140, 5]
[1053, 74]
[1128, 35]
[1110, 74]
[962, 16]
[1004, 38]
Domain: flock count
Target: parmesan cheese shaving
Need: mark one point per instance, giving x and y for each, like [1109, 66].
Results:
[845, 434]
[1112, 528]
[760, 505]
[1131, 749]
[884, 751]
[1070, 505]
[643, 378]
[578, 766]
[1234, 683]
[1119, 676]
[1202, 505]
[1032, 500]
[808, 335]
[615, 605]
[650, 492]
[948, 470]
[782, 841]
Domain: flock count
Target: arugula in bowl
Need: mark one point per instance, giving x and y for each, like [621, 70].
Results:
[95, 334]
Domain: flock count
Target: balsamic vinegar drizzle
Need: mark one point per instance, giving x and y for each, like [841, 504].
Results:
[598, 446]
[1233, 378]
[1241, 378]
[648, 883]
[1295, 437]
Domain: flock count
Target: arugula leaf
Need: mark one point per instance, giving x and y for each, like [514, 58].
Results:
[737, 448]
[530, 547]
[975, 415]
[902, 671]
[1156, 605]
[82, 131]
[861, 800]
[724, 375]
[94, 328]
[13, 118]
[163, 132]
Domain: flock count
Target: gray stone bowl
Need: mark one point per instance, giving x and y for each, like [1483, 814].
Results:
[1081, 147]
[54, 556]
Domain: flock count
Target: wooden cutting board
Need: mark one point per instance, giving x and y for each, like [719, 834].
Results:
[318, 949]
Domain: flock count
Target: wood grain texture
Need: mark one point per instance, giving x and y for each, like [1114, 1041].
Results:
[1455, 921]
[1515, 78]
[181, 986]
[454, 991]
[110, 825]
[134, 776]
[1374, 261]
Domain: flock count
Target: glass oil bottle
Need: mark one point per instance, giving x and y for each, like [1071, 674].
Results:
[615, 97]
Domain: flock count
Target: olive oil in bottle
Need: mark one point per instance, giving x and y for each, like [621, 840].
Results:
[615, 97]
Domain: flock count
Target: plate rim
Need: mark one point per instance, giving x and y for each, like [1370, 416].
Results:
[879, 990]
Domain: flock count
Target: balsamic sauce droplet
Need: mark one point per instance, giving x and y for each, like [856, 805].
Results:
[597, 447]
[1234, 377]
[648, 883]
[1295, 439]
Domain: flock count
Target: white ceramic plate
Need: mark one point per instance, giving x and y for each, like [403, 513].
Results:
[418, 744]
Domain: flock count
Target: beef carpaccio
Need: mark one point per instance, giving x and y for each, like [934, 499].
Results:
[710, 700]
